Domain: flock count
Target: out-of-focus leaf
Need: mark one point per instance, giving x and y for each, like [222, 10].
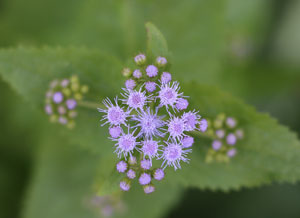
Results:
[61, 182]
[156, 42]
[29, 72]
[287, 42]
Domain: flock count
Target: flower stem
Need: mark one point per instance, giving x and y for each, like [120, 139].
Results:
[90, 105]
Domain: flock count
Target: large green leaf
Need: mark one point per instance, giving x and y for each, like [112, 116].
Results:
[269, 152]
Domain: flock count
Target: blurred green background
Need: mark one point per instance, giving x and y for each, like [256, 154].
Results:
[250, 48]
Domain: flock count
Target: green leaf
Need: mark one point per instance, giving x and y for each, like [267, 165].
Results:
[269, 153]
[29, 71]
[156, 42]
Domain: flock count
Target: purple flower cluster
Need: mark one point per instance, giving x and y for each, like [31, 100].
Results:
[150, 122]
[225, 136]
[62, 99]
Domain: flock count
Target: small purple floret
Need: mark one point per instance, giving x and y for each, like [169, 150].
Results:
[191, 119]
[220, 133]
[231, 152]
[61, 110]
[182, 104]
[239, 134]
[161, 61]
[124, 186]
[126, 144]
[216, 145]
[71, 104]
[166, 77]
[48, 109]
[58, 97]
[136, 99]
[149, 189]
[231, 139]
[145, 179]
[151, 71]
[137, 74]
[146, 164]
[176, 127]
[150, 86]
[187, 141]
[121, 166]
[65, 83]
[62, 120]
[140, 59]
[159, 174]
[231, 122]
[203, 125]
[173, 154]
[115, 131]
[131, 174]
[130, 84]
[150, 148]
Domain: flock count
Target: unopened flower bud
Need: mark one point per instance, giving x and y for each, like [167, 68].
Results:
[126, 72]
[161, 61]
[140, 59]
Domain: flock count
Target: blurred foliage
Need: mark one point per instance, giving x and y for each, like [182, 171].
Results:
[250, 48]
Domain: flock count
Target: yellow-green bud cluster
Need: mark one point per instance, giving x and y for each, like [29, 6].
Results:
[62, 99]
[225, 134]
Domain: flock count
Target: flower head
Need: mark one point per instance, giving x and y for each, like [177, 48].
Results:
[169, 94]
[159, 174]
[149, 189]
[150, 148]
[146, 164]
[130, 84]
[115, 131]
[150, 124]
[173, 153]
[155, 133]
[131, 174]
[121, 166]
[231, 152]
[137, 74]
[191, 119]
[58, 97]
[231, 139]
[145, 179]
[166, 77]
[140, 59]
[161, 61]
[126, 144]
[216, 145]
[151, 71]
[187, 141]
[150, 86]
[125, 186]
[114, 114]
[203, 125]
[182, 104]
[176, 127]
[230, 122]
[135, 99]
